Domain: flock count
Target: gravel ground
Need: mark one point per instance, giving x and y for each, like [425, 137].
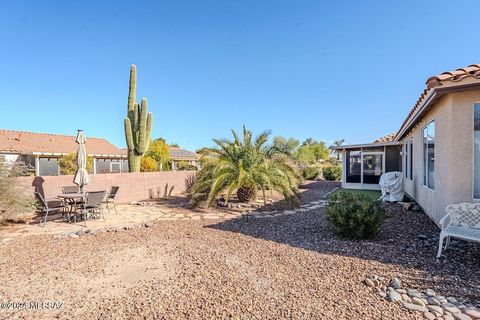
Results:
[284, 267]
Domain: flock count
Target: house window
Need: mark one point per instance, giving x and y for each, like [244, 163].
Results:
[410, 156]
[476, 151]
[429, 155]
[409, 159]
[115, 167]
[48, 167]
[354, 166]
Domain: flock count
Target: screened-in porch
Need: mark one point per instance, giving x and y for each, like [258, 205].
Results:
[363, 165]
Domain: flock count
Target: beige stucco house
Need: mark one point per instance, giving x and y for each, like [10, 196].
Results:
[437, 147]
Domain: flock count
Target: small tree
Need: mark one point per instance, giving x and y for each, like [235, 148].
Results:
[68, 164]
[148, 164]
[312, 152]
[159, 151]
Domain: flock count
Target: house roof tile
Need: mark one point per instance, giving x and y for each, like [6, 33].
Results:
[29, 142]
[448, 77]
[388, 138]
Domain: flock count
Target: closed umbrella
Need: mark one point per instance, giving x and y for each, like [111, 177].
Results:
[81, 175]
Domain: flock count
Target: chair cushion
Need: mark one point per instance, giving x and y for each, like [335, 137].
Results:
[463, 233]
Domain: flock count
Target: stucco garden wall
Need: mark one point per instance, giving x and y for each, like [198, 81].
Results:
[133, 186]
[453, 115]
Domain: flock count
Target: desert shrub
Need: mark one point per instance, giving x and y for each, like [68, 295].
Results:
[190, 182]
[310, 173]
[15, 204]
[68, 163]
[185, 166]
[332, 173]
[148, 164]
[355, 216]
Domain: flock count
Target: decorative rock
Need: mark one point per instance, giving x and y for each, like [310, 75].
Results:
[414, 307]
[430, 293]
[414, 294]
[429, 315]
[80, 232]
[434, 301]
[448, 317]
[406, 298]
[435, 309]
[452, 300]
[369, 282]
[73, 235]
[402, 291]
[461, 316]
[395, 283]
[394, 296]
[472, 313]
[148, 224]
[418, 301]
[451, 308]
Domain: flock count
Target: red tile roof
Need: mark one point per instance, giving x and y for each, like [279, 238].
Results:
[388, 138]
[30, 142]
[472, 70]
[447, 77]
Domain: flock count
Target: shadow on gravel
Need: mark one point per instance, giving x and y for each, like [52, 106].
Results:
[406, 239]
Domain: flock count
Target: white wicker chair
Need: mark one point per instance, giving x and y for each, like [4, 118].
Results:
[462, 221]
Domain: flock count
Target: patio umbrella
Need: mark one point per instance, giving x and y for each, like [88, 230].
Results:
[81, 175]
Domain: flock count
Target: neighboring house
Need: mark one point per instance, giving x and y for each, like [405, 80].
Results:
[179, 155]
[437, 147]
[41, 151]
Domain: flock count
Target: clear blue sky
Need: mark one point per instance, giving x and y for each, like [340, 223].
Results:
[320, 69]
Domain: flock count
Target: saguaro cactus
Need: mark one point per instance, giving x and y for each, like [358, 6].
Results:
[138, 124]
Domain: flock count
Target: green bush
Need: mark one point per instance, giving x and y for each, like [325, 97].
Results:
[355, 216]
[332, 173]
[310, 173]
[185, 166]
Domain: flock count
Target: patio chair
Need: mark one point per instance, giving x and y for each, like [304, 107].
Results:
[70, 189]
[93, 205]
[462, 221]
[49, 205]
[111, 198]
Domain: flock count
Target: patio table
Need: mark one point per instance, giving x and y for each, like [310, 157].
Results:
[72, 199]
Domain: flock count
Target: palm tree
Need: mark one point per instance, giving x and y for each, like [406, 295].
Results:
[337, 143]
[245, 166]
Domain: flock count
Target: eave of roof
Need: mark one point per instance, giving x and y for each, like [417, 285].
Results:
[367, 145]
[428, 98]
